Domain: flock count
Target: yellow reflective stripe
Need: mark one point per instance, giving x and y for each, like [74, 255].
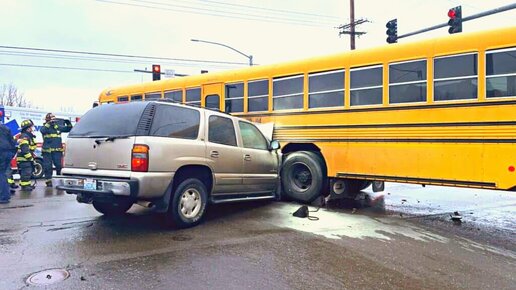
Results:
[10, 181]
[28, 155]
[52, 136]
[47, 150]
[22, 141]
[21, 159]
[24, 183]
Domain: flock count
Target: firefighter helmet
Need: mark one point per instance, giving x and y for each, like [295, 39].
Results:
[26, 124]
[49, 117]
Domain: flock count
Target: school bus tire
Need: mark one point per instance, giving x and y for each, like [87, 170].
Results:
[303, 176]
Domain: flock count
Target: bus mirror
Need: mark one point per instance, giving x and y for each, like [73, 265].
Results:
[95, 104]
[274, 145]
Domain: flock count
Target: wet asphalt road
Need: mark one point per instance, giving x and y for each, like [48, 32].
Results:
[399, 239]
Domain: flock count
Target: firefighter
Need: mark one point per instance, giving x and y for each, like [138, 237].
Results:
[10, 178]
[53, 145]
[25, 154]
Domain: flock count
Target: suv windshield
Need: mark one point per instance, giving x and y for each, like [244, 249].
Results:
[110, 120]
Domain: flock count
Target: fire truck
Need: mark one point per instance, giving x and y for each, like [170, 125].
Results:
[12, 118]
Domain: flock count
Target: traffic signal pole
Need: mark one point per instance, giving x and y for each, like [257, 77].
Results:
[475, 16]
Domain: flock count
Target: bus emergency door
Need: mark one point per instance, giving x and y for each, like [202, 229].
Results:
[212, 96]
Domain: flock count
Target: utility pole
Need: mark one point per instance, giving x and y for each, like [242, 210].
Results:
[351, 26]
[352, 22]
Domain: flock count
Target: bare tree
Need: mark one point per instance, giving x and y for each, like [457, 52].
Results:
[10, 96]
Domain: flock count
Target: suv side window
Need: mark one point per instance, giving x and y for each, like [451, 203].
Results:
[252, 137]
[175, 122]
[221, 131]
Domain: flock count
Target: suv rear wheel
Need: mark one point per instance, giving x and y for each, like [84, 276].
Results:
[188, 203]
[112, 209]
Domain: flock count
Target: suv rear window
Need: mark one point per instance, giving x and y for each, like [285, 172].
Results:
[110, 120]
[176, 122]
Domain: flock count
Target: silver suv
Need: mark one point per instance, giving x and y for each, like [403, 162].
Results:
[172, 157]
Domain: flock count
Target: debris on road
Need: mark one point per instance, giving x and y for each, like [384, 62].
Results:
[303, 212]
[456, 217]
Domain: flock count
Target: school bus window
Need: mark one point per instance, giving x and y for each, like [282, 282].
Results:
[366, 86]
[123, 99]
[501, 73]
[136, 98]
[213, 102]
[234, 98]
[193, 96]
[152, 96]
[258, 95]
[326, 89]
[174, 95]
[287, 93]
[407, 82]
[455, 77]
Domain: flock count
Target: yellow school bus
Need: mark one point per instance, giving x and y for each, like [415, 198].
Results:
[439, 111]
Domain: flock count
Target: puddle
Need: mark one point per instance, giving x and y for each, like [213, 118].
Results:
[335, 225]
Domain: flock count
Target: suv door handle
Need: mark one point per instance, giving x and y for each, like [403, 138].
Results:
[214, 154]
[247, 157]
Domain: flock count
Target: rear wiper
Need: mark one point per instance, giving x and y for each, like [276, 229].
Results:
[110, 138]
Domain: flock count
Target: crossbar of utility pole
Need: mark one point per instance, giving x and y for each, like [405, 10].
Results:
[475, 16]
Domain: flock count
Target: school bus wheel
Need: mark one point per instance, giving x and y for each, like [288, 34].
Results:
[303, 176]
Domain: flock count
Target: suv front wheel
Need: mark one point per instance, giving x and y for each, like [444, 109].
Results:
[188, 203]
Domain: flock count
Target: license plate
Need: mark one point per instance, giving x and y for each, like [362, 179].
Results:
[90, 184]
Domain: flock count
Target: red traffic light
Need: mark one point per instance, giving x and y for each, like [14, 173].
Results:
[156, 72]
[452, 14]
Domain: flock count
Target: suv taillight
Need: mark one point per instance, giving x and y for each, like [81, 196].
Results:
[140, 158]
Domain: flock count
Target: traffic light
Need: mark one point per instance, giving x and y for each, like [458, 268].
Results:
[392, 31]
[455, 22]
[156, 72]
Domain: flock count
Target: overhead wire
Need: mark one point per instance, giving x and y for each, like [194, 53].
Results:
[269, 9]
[64, 67]
[194, 10]
[118, 55]
[103, 59]
[238, 11]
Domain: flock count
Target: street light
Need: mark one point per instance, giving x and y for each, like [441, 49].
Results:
[250, 57]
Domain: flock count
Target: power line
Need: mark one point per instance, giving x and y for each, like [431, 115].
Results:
[101, 59]
[118, 55]
[218, 3]
[218, 13]
[225, 12]
[64, 67]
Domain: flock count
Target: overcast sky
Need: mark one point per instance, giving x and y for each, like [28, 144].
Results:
[271, 31]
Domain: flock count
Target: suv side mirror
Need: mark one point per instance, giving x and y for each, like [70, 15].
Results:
[275, 145]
